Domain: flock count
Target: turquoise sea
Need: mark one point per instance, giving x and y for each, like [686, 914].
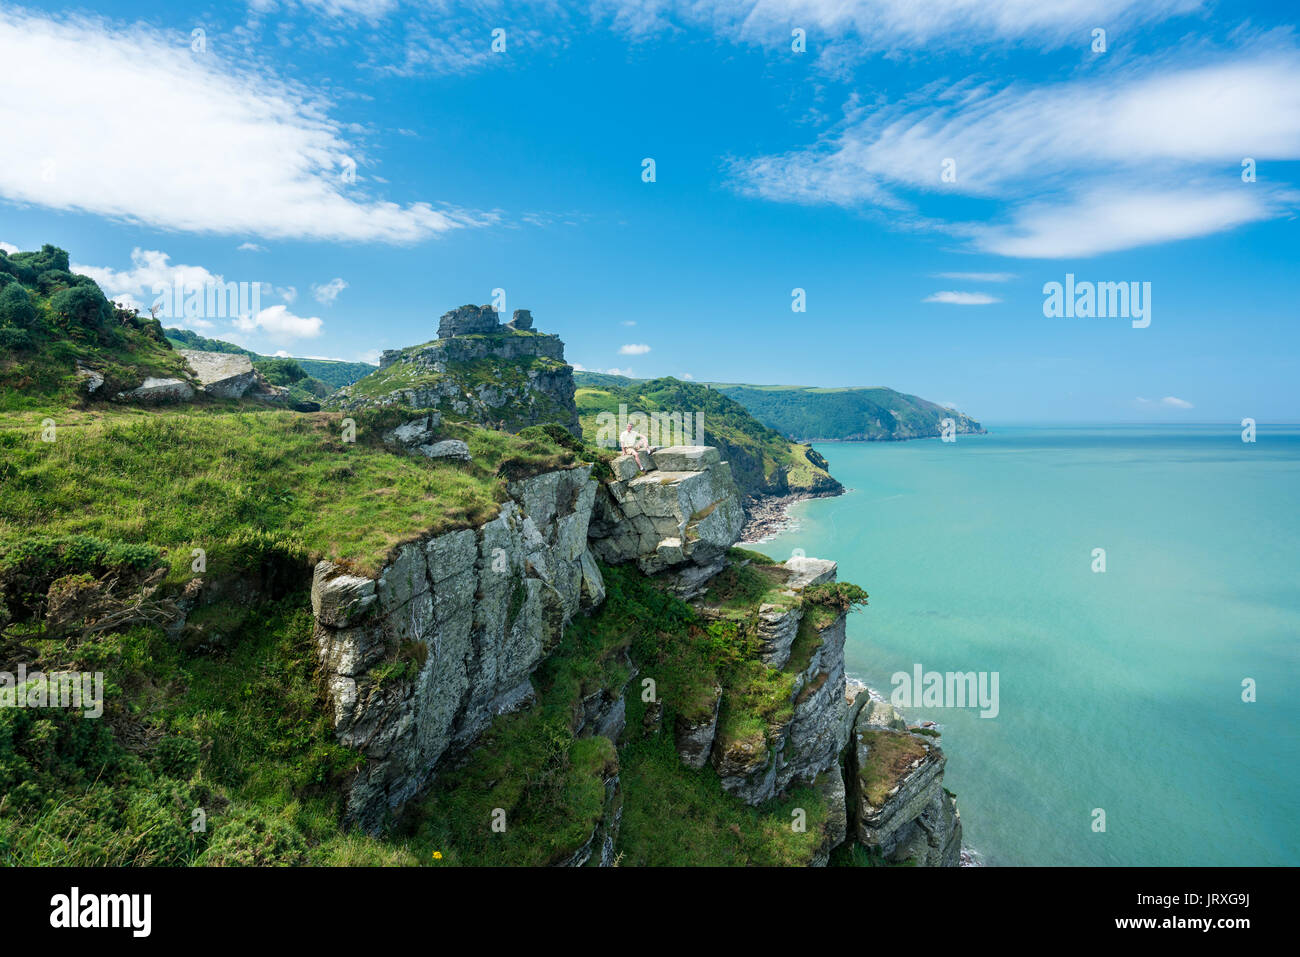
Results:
[1119, 690]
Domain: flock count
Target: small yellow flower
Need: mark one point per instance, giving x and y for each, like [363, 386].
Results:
[437, 855]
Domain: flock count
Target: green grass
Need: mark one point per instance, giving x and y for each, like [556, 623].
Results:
[241, 485]
[890, 754]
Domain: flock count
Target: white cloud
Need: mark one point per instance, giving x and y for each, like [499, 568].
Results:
[687, 376]
[287, 293]
[1169, 401]
[1083, 166]
[328, 292]
[279, 324]
[628, 322]
[872, 25]
[1107, 221]
[149, 268]
[633, 349]
[237, 151]
[962, 298]
[977, 276]
[10, 248]
[251, 248]
[370, 9]
[578, 367]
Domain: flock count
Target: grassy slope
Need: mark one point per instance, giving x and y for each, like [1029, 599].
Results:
[42, 373]
[228, 481]
[762, 461]
[819, 414]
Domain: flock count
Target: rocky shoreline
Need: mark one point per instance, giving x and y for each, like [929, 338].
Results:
[767, 516]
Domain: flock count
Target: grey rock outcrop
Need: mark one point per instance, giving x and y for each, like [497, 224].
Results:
[91, 379]
[221, 374]
[667, 517]
[468, 321]
[695, 738]
[420, 657]
[159, 391]
[447, 449]
[506, 376]
[899, 807]
[806, 745]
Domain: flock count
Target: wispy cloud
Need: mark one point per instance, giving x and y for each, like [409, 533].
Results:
[977, 276]
[327, 293]
[1082, 166]
[873, 25]
[633, 349]
[273, 162]
[1168, 402]
[962, 298]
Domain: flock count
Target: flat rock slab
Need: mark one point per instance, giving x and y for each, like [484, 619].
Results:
[159, 391]
[810, 571]
[222, 374]
[447, 449]
[686, 458]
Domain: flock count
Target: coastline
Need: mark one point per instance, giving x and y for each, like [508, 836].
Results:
[769, 515]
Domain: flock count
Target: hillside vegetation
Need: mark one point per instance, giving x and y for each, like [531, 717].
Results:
[868, 414]
[52, 320]
[762, 461]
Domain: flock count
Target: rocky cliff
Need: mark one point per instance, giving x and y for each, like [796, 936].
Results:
[500, 375]
[422, 657]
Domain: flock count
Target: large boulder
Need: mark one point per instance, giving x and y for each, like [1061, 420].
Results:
[468, 320]
[664, 518]
[159, 391]
[221, 374]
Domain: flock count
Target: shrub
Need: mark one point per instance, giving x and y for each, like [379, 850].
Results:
[83, 306]
[247, 837]
[838, 595]
[16, 309]
[15, 340]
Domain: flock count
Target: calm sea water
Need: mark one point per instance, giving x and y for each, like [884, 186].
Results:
[1119, 690]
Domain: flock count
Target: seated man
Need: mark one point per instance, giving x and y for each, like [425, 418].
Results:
[633, 444]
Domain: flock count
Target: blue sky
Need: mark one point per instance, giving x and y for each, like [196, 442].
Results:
[152, 153]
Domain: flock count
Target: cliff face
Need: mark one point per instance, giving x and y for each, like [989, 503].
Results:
[497, 375]
[420, 658]
[423, 656]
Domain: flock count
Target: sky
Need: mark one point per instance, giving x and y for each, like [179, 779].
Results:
[664, 183]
